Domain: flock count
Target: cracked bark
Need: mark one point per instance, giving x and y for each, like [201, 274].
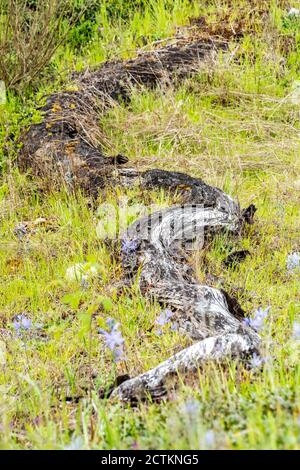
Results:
[154, 383]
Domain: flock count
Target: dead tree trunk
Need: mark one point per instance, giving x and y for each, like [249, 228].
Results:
[155, 247]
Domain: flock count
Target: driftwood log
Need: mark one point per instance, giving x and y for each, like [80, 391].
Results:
[67, 146]
[156, 251]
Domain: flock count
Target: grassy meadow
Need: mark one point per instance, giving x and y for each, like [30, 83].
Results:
[236, 125]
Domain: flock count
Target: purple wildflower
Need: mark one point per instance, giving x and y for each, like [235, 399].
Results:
[256, 361]
[128, 246]
[118, 354]
[210, 438]
[293, 261]
[296, 330]
[135, 445]
[164, 317]
[84, 283]
[191, 407]
[113, 339]
[162, 320]
[110, 322]
[258, 319]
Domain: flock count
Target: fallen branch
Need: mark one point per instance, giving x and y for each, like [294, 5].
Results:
[67, 146]
[154, 383]
[155, 251]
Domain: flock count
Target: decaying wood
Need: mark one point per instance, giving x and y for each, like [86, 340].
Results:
[67, 146]
[156, 250]
[154, 382]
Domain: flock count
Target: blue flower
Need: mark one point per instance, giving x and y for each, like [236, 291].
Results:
[191, 407]
[128, 246]
[210, 438]
[110, 322]
[84, 283]
[293, 261]
[22, 324]
[135, 445]
[258, 319]
[164, 317]
[113, 339]
[20, 231]
[256, 361]
[24, 327]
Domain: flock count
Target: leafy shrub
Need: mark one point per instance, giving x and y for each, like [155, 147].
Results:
[85, 28]
[124, 8]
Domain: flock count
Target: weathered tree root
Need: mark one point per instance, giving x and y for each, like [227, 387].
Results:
[155, 247]
[154, 383]
[67, 145]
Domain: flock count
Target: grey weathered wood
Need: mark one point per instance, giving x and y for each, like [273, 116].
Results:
[159, 258]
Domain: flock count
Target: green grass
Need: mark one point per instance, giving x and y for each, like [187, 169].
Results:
[234, 125]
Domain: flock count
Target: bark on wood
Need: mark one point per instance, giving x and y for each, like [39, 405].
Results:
[157, 254]
[67, 145]
[154, 383]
